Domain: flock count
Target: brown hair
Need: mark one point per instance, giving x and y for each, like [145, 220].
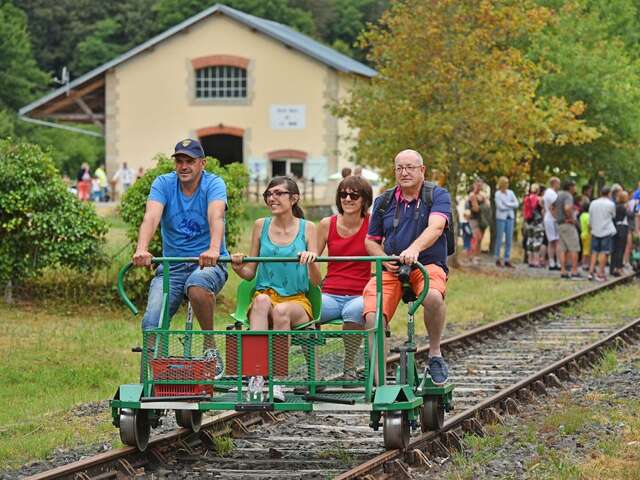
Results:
[359, 185]
[292, 187]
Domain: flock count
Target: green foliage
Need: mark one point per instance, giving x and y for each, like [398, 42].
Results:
[134, 201]
[67, 149]
[41, 224]
[7, 123]
[83, 35]
[452, 85]
[20, 77]
[591, 49]
[99, 47]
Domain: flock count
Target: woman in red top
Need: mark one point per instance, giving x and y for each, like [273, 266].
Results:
[342, 288]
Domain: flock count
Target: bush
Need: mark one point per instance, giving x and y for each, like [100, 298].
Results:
[41, 223]
[133, 206]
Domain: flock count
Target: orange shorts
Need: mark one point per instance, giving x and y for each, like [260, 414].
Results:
[392, 290]
[299, 298]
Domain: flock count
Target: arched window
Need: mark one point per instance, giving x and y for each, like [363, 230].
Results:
[221, 81]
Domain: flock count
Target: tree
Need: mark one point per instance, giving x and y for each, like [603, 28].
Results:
[41, 223]
[591, 49]
[98, 48]
[453, 85]
[20, 77]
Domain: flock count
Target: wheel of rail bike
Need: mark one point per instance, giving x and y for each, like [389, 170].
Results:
[134, 428]
[191, 419]
[431, 414]
[396, 430]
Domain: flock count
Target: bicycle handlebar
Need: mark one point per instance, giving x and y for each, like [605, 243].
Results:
[169, 260]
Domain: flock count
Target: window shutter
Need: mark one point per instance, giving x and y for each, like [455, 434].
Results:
[317, 168]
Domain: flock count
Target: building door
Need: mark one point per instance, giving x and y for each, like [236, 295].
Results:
[226, 148]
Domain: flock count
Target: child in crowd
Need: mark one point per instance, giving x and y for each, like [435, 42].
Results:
[280, 301]
[585, 234]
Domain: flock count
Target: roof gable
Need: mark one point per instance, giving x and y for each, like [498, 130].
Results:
[275, 30]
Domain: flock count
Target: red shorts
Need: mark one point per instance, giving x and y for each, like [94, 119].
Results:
[392, 290]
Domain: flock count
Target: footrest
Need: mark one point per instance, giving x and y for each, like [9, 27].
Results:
[254, 407]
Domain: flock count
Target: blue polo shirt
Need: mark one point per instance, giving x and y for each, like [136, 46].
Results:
[396, 240]
[184, 225]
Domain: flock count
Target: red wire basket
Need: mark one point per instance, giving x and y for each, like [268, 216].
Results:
[182, 369]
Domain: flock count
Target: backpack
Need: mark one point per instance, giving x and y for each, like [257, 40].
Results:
[527, 209]
[427, 197]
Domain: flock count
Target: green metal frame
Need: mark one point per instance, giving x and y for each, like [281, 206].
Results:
[406, 394]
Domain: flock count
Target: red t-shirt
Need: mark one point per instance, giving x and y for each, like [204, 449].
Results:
[346, 278]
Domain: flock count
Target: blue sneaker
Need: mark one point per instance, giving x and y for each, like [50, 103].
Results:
[438, 370]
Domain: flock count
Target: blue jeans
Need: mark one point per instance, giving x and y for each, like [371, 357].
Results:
[504, 228]
[347, 307]
[181, 277]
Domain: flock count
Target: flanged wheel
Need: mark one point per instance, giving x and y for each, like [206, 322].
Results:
[396, 430]
[134, 428]
[191, 419]
[431, 414]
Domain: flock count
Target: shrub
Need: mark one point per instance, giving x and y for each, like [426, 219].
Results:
[133, 206]
[41, 223]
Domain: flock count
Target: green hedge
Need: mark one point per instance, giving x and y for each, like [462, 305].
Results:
[42, 224]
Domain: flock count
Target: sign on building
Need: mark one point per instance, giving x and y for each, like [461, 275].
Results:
[287, 117]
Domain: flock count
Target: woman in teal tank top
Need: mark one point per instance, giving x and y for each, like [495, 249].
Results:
[281, 288]
[280, 301]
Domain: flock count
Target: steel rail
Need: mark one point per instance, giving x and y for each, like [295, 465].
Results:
[96, 466]
[474, 412]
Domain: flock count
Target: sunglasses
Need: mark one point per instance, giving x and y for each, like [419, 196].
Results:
[275, 194]
[353, 195]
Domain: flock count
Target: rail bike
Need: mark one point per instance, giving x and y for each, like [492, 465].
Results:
[192, 371]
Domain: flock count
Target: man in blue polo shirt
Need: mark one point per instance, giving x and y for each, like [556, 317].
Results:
[189, 205]
[414, 230]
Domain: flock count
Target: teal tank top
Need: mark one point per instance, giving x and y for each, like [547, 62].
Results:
[285, 278]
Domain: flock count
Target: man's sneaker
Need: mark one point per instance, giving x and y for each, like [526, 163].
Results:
[576, 276]
[214, 354]
[565, 275]
[278, 393]
[438, 370]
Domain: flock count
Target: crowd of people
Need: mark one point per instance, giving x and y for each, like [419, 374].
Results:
[96, 187]
[561, 229]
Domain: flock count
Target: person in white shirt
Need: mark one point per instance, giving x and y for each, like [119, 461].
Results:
[549, 220]
[602, 211]
[506, 204]
[125, 175]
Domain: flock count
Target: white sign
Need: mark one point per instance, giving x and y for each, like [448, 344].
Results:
[287, 117]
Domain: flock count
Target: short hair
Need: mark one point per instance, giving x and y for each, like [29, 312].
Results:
[554, 180]
[359, 185]
[622, 197]
[605, 190]
[567, 184]
[346, 171]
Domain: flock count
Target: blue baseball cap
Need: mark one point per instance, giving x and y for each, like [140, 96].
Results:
[189, 147]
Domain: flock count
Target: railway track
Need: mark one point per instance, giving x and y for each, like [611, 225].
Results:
[494, 367]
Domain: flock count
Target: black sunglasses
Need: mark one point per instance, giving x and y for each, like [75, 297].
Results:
[275, 194]
[354, 196]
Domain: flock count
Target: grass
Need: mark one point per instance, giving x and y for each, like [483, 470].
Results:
[56, 356]
[591, 436]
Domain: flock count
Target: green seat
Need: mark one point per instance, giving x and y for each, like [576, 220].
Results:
[247, 289]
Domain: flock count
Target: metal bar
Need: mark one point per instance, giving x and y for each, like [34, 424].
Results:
[380, 358]
[44, 123]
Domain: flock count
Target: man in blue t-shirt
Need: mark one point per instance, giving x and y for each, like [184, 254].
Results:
[413, 230]
[189, 205]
